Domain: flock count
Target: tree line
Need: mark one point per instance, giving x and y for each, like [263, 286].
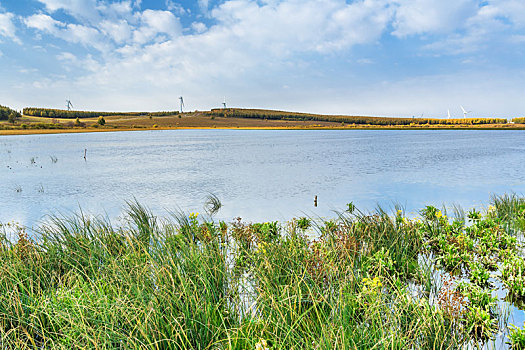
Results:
[281, 115]
[9, 114]
[62, 113]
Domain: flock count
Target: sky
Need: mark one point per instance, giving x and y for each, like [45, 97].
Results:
[360, 57]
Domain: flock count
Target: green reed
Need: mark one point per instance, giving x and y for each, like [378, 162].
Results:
[360, 281]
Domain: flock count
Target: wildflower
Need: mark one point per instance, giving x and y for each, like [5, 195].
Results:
[439, 214]
[262, 345]
[377, 282]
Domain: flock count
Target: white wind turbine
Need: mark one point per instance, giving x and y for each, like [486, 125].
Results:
[464, 112]
[181, 103]
[448, 113]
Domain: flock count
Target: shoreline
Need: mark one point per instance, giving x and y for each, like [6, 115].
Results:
[15, 132]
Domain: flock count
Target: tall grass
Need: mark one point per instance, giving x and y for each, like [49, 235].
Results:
[366, 281]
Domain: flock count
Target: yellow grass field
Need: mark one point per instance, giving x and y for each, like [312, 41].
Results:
[199, 120]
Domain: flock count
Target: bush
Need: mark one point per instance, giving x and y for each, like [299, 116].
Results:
[101, 120]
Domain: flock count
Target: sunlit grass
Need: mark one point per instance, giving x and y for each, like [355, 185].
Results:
[188, 282]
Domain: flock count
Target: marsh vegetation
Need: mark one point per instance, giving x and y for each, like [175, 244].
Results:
[359, 280]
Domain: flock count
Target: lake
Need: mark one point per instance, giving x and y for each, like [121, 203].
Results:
[257, 174]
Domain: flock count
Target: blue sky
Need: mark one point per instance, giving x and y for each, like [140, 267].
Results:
[362, 57]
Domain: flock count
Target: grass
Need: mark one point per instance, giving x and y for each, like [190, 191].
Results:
[359, 281]
[235, 119]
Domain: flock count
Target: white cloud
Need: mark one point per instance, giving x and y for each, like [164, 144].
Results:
[513, 10]
[44, 23]
[430, 16]
[176, 8]
[119, 31]
[300, 26]
[198, 27]
[161, 22]
[67, 56]
[204, 5]
[85, 9]
[7, 27]
[497, 22]
[74, 33]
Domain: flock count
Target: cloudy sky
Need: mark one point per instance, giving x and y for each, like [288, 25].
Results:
[361, 57]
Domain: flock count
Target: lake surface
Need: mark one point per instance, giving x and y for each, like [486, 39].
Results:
[258, 174]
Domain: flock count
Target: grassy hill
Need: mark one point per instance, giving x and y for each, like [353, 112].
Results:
[361, 120]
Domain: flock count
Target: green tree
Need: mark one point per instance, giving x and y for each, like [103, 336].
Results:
[12, 117]
[101, 120]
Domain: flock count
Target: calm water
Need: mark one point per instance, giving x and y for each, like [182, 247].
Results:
[258, 175]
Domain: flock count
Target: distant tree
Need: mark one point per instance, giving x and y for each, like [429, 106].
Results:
[12, 117]
[101, 120]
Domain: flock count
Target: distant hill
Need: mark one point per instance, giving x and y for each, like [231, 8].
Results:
[361, 120]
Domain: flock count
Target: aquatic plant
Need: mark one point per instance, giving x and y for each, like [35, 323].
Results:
[304, 223]
[513, 275]
[188, 282]
[517, 337]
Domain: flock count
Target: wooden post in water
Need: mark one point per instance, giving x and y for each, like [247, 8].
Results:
[315, 201]
[85, 154]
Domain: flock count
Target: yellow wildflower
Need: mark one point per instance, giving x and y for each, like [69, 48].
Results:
[261, 345]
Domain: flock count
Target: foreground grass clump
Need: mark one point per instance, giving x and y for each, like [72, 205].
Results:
[358, 281]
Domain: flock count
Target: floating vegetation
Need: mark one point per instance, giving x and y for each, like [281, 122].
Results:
[192, 283]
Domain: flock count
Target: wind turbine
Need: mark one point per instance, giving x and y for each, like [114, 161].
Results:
[69, 105]
[464, 112]
[181, 103]
[448, 113]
